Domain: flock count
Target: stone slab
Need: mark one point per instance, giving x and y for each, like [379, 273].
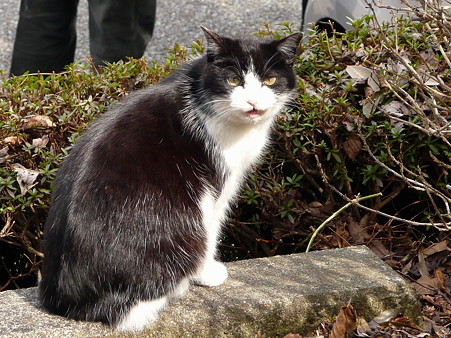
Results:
[273, 296]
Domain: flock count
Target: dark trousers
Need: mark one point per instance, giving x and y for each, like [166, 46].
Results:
[45, 38]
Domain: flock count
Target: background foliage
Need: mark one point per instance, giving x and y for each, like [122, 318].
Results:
[372, 115]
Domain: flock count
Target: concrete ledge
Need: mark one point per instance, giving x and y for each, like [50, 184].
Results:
[274, 296]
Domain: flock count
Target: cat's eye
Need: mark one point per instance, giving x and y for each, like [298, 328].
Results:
[233, 81]
[269, 81]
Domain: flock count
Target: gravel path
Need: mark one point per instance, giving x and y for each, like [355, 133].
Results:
[177, 21]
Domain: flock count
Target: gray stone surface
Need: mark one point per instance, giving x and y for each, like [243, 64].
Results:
[273, 296]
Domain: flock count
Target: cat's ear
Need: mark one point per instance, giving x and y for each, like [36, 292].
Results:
[288, 46]
[215, 44]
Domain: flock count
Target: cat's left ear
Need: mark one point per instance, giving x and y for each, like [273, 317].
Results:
[215, 44]
[288, 46]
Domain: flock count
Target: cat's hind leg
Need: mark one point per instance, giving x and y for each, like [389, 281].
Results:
[145, 312]
[141, 315]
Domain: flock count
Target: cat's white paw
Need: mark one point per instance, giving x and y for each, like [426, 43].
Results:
[213, 273]
[141, 315]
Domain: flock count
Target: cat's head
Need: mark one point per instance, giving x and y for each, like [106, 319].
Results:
[249, 80]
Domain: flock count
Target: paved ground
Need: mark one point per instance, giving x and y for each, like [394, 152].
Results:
[177, 21]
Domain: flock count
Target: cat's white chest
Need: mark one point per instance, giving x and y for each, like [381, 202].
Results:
[239, 149]
[243, 149]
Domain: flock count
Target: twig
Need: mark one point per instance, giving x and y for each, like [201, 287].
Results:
[446, 226]
[357, 199]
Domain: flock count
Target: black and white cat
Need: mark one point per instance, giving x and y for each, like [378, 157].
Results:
[138, 204]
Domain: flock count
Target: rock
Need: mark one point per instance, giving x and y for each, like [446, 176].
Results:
[274, 296]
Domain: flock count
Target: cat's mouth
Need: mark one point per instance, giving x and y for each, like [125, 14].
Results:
[254, 113]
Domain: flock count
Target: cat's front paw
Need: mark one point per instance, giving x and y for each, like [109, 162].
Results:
[212, 274]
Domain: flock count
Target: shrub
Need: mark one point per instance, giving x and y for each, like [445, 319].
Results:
[372, 115]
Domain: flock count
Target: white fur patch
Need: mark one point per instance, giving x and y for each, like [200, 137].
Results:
[146, 312]
[141, 315]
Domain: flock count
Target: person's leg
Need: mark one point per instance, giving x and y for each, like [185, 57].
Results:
[45, 37]
[119, 28]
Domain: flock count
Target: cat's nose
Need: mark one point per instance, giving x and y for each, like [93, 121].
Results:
[252, 103]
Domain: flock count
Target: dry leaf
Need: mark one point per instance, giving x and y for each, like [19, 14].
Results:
[352, 146]
[362, 327]
[292, 335]
[360, 235]
[384, 317]
[422, 266]
[12, 140]
[3, 154]
[346, 321]
[360, 72]
[437, 247]
[431, 326]
[396, 108]
[403, 322]
[407, 267]
[440, 278]
[25, 177]
[426, 285]
[37, 121]
[41, 142]
[429, 80]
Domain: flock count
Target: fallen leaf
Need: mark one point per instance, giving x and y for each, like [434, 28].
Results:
[346, 321]
[12, 140]
[358, 232]
[422, 266]
[437, 247]
[407, 267]
[441, 279]
[384, 317]
[403, 321]
[25, 177]
[429, 80]
[37, 121]
[362, 327]
[3, 154]
[426, 285]
[41, 142]
[292, 335]
[352, 146]
[360, 72]
[431, 325]
[396, 109]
